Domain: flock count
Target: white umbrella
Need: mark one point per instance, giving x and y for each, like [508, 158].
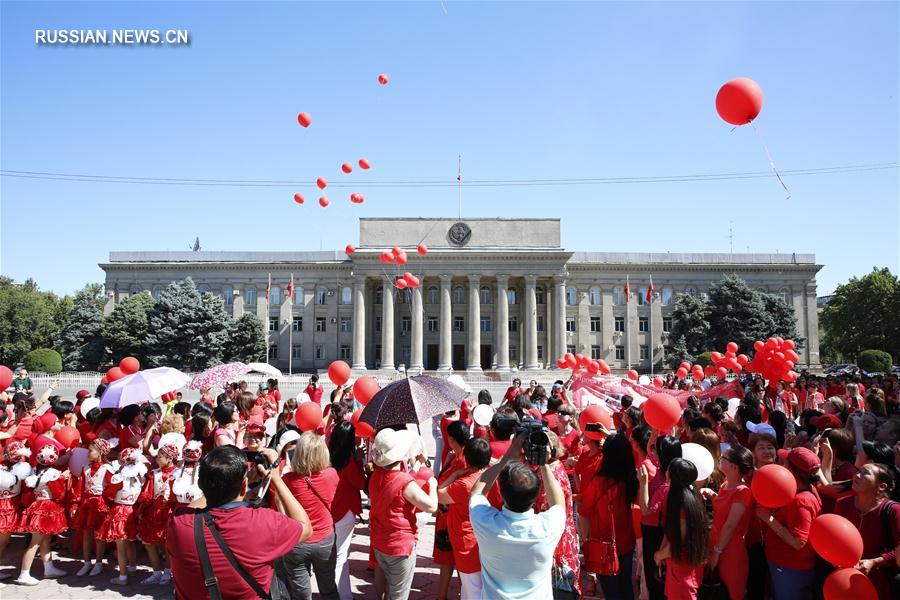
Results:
[265, 369]
[143, 386]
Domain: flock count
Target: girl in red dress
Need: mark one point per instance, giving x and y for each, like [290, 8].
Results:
[184, 478]
[13, 472]
[45, 516]
[156, 507]
[120, 524]
[92, 509]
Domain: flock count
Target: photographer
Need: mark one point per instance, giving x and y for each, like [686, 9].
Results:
[515, 545]
[254, 537]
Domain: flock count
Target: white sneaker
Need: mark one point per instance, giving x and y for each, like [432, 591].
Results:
[85, 569]
[96, 569]
[120, 580]
[154, 578]
[51, 570]
[166, 578]
[27, 579]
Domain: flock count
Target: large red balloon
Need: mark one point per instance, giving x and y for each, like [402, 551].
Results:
[661, 411]
[68, 436]
[6, 377]
[570, 361]
[364, 388]
[349, 249]
[304, 119]
[632, 374]
[322, 183]
[595, 414]
[298, 198]
[849, 583]
[363, 429]
[731, 347]
[364, 163]
[681, 372]
[387, 257]
[401, 283]
[657, 382]
[773, 486]
[739, 101]
[593, 367]
[346, 167]
[401, 257]
[323, 201]
[114, 374]
[308, 416]
[338, 372]
[604, 368]
[129, 365]
[422, 249]
[560, 364]
[837, 540]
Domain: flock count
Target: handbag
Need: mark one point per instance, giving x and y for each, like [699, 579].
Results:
[712, 587]
[442, 540]
[209, 576]
[601, 556]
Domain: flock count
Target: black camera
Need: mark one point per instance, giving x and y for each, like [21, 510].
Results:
[257, 458]
[536, 446]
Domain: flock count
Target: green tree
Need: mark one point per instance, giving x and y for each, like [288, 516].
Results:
[690, 328]
[29, 319]
[125, 328]
[874, 361]
[784, 320]
[213, 329]
[737, 314]
[864, 313]
[246, 340]
[80, 340]
[44, 360]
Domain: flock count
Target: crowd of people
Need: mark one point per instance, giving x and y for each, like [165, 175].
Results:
[533, 503]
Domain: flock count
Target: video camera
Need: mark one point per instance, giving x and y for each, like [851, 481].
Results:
[537, 442]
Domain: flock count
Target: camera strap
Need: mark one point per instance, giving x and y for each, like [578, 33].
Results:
[209, 576]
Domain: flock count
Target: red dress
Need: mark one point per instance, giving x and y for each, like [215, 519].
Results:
[156, 501]
[10, 499]
[450, 466]
[566, 564]
[46, 514]
[93, 507]
[733, 561]
[123, 490]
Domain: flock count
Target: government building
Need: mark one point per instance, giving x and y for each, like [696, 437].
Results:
[495, 294]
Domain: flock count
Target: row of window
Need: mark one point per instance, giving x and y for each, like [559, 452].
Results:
[296, 353]
[596, 352]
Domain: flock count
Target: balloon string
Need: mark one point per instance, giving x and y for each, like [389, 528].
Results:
[771, 161]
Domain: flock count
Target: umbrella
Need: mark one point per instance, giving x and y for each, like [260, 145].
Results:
[219, 375]
[143, 386]
[265, 369]
[412, 400]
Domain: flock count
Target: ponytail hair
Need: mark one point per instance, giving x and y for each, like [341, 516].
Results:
[683, 500]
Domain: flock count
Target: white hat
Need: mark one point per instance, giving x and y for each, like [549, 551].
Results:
[391, 446]
[459, 382]
[761, 428]
[286, 438]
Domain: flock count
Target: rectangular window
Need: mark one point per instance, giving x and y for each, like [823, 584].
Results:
[595, 324]
[273, 352]
[643, 324]
[595, 352]
[295, 352]
[459, 324]
[540, 322]
[432, 324]
[570, 324]
[273, 323]
[540, 352]
[513, 353]
[298, 324]
[620, 324]
[346, 325]
[667, 324]
[320, 351]
[513, 324]
[345, 352]
[620, 352]
[378, 353]
[377, 324]
[405, 324]
[320, 324]
[645, 352]
[570, 348]
[485, 324]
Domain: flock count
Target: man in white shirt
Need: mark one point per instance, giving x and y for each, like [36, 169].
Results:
[515, 545]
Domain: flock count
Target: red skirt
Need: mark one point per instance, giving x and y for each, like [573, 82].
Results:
[120, 524]
[154, 518]
[10, 514]
[44, 516]
[90, 514]
[441, 557]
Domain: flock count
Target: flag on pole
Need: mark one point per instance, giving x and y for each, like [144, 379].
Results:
[290, 289]
[269, 287]
[627, 290]
[650, 291]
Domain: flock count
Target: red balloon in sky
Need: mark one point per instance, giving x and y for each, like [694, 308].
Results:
[304, 119]
[346, 168]
[323, 201]
[322, 183]
[383, 79]
[387, 257]
[401, 284]
[338, 372]
[739, 101]
[422, 249]
[298, 198]
[349, 249]
[364, 163]
[129, 365]
[401, 258]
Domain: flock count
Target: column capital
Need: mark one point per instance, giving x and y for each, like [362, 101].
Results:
[445, 278]
[560, 278]
[531, 279]
[503, 277]
[474, 279]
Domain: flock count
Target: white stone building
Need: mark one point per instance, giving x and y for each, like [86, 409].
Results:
[495, 294]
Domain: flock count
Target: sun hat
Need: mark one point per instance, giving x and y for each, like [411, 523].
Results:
[286, 438]
[391, 446]
[762, 429]
[826, 421]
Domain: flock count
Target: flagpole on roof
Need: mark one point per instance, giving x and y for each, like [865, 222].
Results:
[459, 185]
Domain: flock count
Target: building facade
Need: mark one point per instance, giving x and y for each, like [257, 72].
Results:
[495, 294]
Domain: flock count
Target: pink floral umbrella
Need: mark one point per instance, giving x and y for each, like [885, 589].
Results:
[219, 376]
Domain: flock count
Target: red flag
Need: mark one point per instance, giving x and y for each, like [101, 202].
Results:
[650, 290]
[627, 290]
[290, 288]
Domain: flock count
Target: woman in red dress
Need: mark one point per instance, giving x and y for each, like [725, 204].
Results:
[13, 472]
[93, 508]
[120, 525]
[45, 516]
[451, 465]
[156, 507]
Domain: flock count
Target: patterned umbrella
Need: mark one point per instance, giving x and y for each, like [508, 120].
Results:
[219, 375]
[412, 400]
[143, 386]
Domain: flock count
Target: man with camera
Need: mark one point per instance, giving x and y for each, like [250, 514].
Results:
[515, 545]
[223, 547]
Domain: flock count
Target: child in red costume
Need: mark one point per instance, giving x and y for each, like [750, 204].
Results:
[184, 485]
[156, 506]
[120, 524]
[13, 472]
[93, 507]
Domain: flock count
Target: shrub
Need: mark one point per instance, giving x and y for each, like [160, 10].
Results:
[704, 360]
[874, 361]
[45, 360]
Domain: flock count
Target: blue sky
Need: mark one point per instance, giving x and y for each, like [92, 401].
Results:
[521, 90]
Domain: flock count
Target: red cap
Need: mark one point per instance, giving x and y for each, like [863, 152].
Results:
[81, 395]
[826, 421]
[783, 454]
[804, 460]
[255, 428]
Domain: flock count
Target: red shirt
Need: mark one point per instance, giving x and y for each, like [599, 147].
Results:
[351, 482]
[465, 546]
[586, 468]
[256, 537]
[317, 504]
[511, 393]
[499, 447]
[722, 504]
[552, 422]
[315, 394]
[796, 517]
[392, 519]
[596, 499]
[871, 527]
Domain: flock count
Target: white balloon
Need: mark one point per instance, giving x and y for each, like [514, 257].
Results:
[78, 461]
[733, 404]
[700, 457]
[271, 426]
[88, 405]
[644, 380]
[483, 413]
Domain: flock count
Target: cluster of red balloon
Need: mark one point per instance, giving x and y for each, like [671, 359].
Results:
[775, 359]
[730, 361]
[578, 362]
[407, 280]
[127, 366]
[363, 430]
[395, 255]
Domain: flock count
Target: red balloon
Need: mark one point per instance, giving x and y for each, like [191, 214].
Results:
[411, 280]
[422, 249]
[684, 365]
[357, 198]
[396, 250]
[849, 583]
[681, 372]
[759, 345]
[129, 365]
[383, 79]
[322, 183]
[661, 411]
[773, 486]
[424, 473]
[364, 388]
[323, 201]
[709, 370]
[349, 249]
[716, 357]
[103, 380]
[721, 372]
[571, 362]
[604, 368]
[593, 367]
[364, 163]
[837, 540]
[401, 258]
[743, 359]
[364, 430]
[68, 436]
[401, 283]
[595, 413]
[560, 364]
[338, 372]
[346, 168]
[579, 359]
[387, 257]
[657, 382]
[731, 347]
[788, 344]
[304, 119]
[308, 416]
[298, 198]
[114, 374]
[632, 374]
[739, 101]
[6, 377]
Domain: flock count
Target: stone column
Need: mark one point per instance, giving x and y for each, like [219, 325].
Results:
[445, 357]
[654, 336]
[237, 296]
[473, 350]
[387, 325]
[811, 347]
[583, 320]
[559, 328]
[110, 303]
[416, 361]
[359, 323]
[530, 323]
[502, 323]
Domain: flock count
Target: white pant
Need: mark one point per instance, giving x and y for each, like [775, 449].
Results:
[471, 586]
[343, 532]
